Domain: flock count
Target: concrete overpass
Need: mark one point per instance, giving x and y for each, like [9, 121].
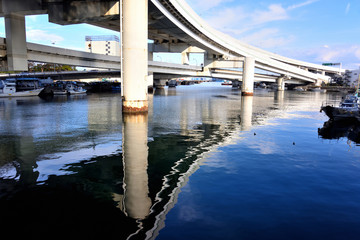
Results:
[172, 24]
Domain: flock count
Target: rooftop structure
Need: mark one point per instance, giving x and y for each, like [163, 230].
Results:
[103, 44]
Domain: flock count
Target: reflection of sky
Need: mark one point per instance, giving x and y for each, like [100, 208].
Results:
[53, 164]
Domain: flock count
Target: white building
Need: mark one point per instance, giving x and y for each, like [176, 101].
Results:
[104, 44]
[352, 77]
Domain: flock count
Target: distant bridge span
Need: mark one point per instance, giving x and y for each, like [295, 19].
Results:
[169, 23]
[174, 22]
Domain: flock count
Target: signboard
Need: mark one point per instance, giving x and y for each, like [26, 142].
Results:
[331, 64]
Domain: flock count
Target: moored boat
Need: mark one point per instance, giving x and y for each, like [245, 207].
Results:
[20, 88]
[74, 89]
[226, 82]
[347, 109]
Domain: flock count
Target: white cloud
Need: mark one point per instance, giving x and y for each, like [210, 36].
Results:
[36, 35]
[347, 10]
[301, 4]
[357, 53]
[338, 52]
[234, 16]
[267, 38]
[205, 5]
[349, 56]
[273, 13]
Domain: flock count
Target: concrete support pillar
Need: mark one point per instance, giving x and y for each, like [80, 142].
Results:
[134, 24]
[135, 159]
[159, 83]
[248, 77]
[280, 83]
[318, 83]
[16, 42]
[185, 58]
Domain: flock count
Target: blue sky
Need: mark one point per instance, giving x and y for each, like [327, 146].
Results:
[316, 31]
[311, 30]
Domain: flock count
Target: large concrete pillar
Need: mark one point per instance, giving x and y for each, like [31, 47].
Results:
[280, 81]
[135, 55]
[16, 42]
[248, 77]
[135, 158]
[185, 57]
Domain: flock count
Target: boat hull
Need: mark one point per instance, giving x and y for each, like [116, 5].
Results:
[337, 113]
[76, 92]
[22, 93]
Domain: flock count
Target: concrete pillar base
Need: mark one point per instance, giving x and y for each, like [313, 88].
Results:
[247, 94]
[248, 77]
[280, 84]
[135, 106]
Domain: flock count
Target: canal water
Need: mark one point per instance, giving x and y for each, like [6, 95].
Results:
[204, 163]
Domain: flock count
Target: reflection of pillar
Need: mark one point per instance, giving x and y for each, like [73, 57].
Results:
[248, 77]
[279, 97]
[135, 155]
[135, 55]
[150, 82]
[246, 112]
[16, 42]
[27, 160]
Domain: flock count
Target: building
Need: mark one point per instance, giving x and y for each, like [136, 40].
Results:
[352, 77]
[104, 44]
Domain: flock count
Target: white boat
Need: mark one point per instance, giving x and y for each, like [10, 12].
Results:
[348, 109]
[226, 82]
[74, 89]
[25, 88]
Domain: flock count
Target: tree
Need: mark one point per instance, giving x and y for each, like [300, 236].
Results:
[49, 67]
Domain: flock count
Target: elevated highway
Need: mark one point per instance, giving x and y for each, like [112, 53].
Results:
[171, 24]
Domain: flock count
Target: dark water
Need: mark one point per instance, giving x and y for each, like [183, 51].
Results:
[205, 163]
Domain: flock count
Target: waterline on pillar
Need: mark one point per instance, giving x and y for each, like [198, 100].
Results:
[135, 106]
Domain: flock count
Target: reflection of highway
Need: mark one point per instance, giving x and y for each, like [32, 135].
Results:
[113, 165]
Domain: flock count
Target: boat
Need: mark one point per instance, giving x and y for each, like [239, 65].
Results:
[24, 87]
[60, 92]
[226, 82]
[299, 89]
[347, 109]
[75, 89]
[172, 83]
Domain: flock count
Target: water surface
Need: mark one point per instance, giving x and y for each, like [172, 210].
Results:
[204, 163]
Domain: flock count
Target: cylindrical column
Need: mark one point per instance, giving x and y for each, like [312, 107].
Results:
[135, 157]
[185, 58]
[16, 42]
[135, 55]
[280, 83]
[248, 77]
